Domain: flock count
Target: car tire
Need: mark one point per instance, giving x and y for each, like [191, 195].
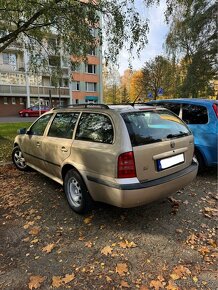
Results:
[18, 159]
[26, 115]
[77, 193]
[201, 163]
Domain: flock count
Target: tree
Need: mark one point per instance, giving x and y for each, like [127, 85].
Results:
[193, 37]
[158, 76]
[137, 91]
[72, 23]
[111, 85]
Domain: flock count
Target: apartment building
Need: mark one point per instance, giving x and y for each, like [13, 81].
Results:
[19, 88]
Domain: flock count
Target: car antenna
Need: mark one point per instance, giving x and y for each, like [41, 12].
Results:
[133, 103]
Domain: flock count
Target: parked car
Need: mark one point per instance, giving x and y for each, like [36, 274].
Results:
[201, 117]
[119, 155]
[34, 111]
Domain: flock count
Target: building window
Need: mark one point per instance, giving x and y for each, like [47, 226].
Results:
[21, 101]
[65, 83]
[92, 51]
[91, 87]
[5, 58]
[5, 100]
[75, 86]
[13, 100]
[9, 58]
[91, 68]
[54, 60]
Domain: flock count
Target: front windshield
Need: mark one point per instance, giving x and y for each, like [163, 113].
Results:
[147, 127]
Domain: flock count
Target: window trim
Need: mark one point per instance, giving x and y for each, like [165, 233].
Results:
[47, 126]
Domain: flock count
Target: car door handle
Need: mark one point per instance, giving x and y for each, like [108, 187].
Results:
[37, 144]
[64, 149]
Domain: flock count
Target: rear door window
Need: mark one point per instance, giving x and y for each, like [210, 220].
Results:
[63, 125]
[154, 126]
[96, 128]
[194, 114]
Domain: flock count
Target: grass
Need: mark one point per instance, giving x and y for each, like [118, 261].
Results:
[7, 133]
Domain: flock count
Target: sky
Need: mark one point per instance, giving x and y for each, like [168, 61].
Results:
[158, 30]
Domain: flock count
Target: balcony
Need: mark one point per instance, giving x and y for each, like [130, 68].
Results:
[19, 90]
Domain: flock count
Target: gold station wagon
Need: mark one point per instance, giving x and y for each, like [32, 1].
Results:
[121, 155]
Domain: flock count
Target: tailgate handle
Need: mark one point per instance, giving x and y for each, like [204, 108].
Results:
[64, 149]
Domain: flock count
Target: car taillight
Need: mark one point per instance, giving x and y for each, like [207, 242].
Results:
[215, 107]
[126, 165]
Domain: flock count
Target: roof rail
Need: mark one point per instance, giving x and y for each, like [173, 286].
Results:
[100, 106]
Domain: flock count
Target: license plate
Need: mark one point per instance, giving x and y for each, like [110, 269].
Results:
[170, 161]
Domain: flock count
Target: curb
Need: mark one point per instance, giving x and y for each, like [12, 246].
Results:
[5, 163]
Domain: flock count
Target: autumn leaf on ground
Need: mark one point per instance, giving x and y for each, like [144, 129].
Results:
[48, 248]
[179, 272]
[124, 284]
[106, 250]
[88, 220]
[34, 231]
[58, 281]
[210, 212]
[192, 239]
[121, 269]
[204, 250]
[142, 287]
[88, 244]
[171, 286]
[157, 284]
[125, 244]
[108, 279]
[35, 282]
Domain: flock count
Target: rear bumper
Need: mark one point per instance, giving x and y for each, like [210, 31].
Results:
[135, 194]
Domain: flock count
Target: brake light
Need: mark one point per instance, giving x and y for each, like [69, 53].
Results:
[215, 108]
[126, 165]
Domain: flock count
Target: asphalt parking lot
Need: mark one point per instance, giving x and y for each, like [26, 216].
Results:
[170, 244]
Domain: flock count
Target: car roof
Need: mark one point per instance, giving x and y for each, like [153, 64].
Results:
[187, 100]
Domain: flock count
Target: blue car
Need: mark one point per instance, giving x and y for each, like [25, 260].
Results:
[201, 116]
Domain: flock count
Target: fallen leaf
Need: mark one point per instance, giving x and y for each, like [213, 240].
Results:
[142, 287]
[68, 278]
[106, 250]
[125, 244]
[48, 248]
[204, 250]
[56, 281]
[156, 284]
[35, 282]
[124, 284]
[88, 244]
[195, 279]
[121, 269]
[88, 220]
[34, 231]
[108, 279]
[179, 272]
[171, 286]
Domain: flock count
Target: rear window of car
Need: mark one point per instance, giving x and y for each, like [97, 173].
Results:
[154, 126]
[95, 128]
[194, 114]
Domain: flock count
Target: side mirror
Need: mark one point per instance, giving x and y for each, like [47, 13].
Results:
[21, 131]
[29, 132]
